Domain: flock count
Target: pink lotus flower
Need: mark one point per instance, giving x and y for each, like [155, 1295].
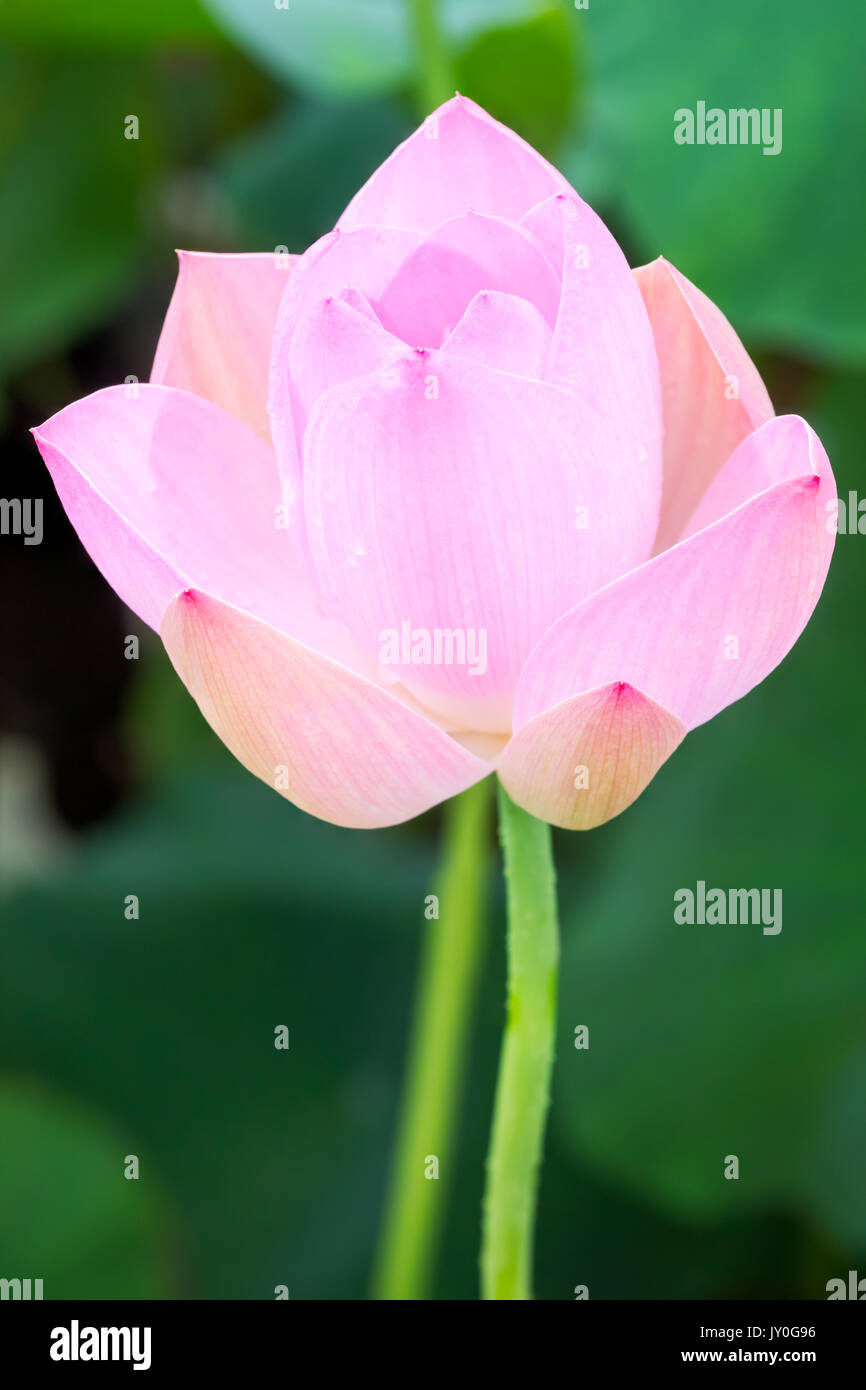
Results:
[453, 491]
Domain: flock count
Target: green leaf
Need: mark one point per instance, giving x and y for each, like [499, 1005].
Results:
[716, 1040]
[91, 23]
[777, 240]
[71, 196]
[523, 75]
[350, 47]
[165, 1023]
[98, 1234]
[272, 1164]
[288, 182]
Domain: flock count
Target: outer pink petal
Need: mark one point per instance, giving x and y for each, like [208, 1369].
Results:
[772, 454]
[460, 158]
[502, 331]
[348, 751]
[432, 289]
[602, 343]
[712, 395]
[701, 624]
[448, 496]
[585, 760]
[165, 489]
[216, 339]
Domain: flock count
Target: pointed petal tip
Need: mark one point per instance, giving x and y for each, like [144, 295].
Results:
[350, 752]
[586, 760]
[753, 563]
[458, 155]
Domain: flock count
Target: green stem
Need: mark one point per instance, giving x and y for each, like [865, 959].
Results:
[526, 1061]
[435, 74]
[449, 975]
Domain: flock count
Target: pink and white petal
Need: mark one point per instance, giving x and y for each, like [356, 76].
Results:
[582, 762]
[337, 340]
[504, 332]
[364, 261]
[453, 498]
[712, 394]
[776, 451]
[460, 158]
[602, 343]
[216, 338]
[358, 301]
[165, 489]
[336, 745]
[432, 289]
[700, 625]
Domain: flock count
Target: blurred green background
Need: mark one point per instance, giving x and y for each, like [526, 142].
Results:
[154, 1036]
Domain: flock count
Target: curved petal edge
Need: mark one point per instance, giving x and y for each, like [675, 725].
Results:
[166, 489]
[700, 625]
[216, 338]
[332, 742]
[712, 393]
[584, 761]
[459, 158]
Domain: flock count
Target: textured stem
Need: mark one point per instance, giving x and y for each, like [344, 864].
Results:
[447, 990]
[435, 76]
[526, 1061]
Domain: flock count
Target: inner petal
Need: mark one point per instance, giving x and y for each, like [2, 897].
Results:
[502, 331]
[454, 512]
[432, 288]
[339, 339]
